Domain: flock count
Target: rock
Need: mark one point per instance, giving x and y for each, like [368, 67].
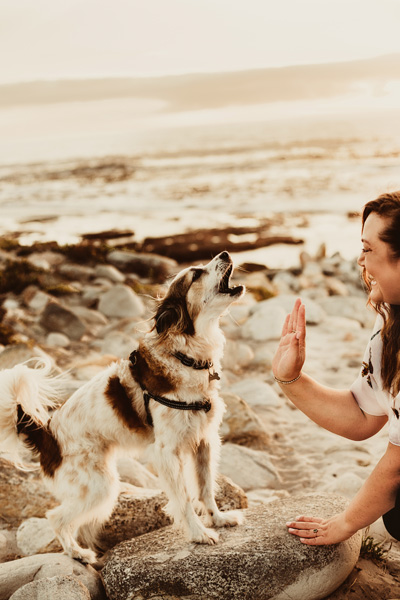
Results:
[92, 318]
[257, 560]
[135, 513]
[22, 495]
[3, 547]
[109, 272]
[151, 266]
[83, 370]
[58, 318]
[314, 313]
[336, 287]
[285, 282]
[119, 344]
[248, 468]
[121, 301]
[236, 355]
[35, 299]
[140, 510]
[256, 393]
[347, 485]
[19, 353]
[60, 588]
[8, 546]
[263, 357]
[58, 339]
[74, 271]
[265, 323]
[241, 425]
[18, 573]
[133, 472]
[36, 536]
[41, 259]
[229, 495]
[351, 307]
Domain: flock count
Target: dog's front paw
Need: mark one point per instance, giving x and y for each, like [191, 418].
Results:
[205, 536]
[229, 518]
[84, 556]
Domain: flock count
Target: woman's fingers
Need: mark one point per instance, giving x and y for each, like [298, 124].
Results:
[307, 528]
[294, 316]
[304, 519]
[285, 327]
[301, 323]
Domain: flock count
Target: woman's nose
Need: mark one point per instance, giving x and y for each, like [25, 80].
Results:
[361, 259]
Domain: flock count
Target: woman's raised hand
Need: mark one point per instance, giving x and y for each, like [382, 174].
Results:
[291, 352]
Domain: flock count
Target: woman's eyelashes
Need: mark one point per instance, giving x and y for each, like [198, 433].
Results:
[365, 250]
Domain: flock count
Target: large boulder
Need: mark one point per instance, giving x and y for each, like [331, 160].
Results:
[62, 587]
[18, 573]
[22, 494]
[250, 469]
[258, 560]
[140, 510]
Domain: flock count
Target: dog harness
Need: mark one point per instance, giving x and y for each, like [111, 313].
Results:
[147, 396]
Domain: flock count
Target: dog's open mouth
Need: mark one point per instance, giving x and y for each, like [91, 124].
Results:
[224, 288]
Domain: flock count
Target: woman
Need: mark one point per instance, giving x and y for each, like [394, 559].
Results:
[373, 399]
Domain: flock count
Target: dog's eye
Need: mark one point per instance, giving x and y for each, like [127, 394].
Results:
[197, 273]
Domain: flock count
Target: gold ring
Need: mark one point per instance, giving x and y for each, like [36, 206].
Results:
[315, 530]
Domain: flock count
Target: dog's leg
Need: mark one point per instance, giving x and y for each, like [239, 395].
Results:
[170, 469]
[63, 520]
[205, 459]
[89, 503]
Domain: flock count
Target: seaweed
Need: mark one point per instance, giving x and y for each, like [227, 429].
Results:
[17, 275]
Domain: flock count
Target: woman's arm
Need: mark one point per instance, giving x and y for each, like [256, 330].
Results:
[376, 497]
[334, 410]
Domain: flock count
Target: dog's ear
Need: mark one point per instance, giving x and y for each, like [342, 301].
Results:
[173, 314]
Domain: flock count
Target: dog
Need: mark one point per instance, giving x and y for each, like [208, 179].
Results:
[163, 399]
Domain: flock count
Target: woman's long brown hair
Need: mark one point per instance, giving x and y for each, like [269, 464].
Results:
[387, 206]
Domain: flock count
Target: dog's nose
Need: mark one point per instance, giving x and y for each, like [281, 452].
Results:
[224, 256]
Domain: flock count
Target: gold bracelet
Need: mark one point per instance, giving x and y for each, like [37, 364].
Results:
[287, 382]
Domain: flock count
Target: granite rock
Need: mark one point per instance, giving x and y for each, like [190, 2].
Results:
[257, 560]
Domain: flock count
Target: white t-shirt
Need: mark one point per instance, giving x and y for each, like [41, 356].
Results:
[368, 390]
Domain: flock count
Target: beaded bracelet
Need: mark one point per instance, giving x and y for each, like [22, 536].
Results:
[287, 382]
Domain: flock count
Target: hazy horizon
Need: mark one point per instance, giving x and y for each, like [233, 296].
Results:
[378, 76]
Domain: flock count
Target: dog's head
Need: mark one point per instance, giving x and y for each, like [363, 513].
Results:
[197, 293]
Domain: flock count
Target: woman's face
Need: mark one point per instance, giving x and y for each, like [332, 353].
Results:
[382, 269]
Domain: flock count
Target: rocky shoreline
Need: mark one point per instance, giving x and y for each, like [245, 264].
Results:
[86, 305]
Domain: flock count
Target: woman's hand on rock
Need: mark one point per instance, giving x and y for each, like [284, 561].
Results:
[291, 352]
[315, 531]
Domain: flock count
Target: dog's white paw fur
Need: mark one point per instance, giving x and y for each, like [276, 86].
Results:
[205, 536]
[229, 518]
[86, 556]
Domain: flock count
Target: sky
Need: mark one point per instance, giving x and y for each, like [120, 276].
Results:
[63, 39]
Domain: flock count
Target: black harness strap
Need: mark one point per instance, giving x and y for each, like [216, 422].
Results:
[147, 396]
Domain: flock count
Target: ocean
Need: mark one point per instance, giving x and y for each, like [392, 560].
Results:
[76, 168]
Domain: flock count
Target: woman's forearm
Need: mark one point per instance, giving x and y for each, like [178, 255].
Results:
[378, 494]
[334, 410]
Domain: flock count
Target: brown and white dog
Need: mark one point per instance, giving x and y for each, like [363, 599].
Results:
[133, 404]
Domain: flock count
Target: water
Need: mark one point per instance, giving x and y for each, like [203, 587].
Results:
[194, 170]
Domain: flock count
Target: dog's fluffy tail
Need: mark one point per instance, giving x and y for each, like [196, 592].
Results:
[26, 394]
